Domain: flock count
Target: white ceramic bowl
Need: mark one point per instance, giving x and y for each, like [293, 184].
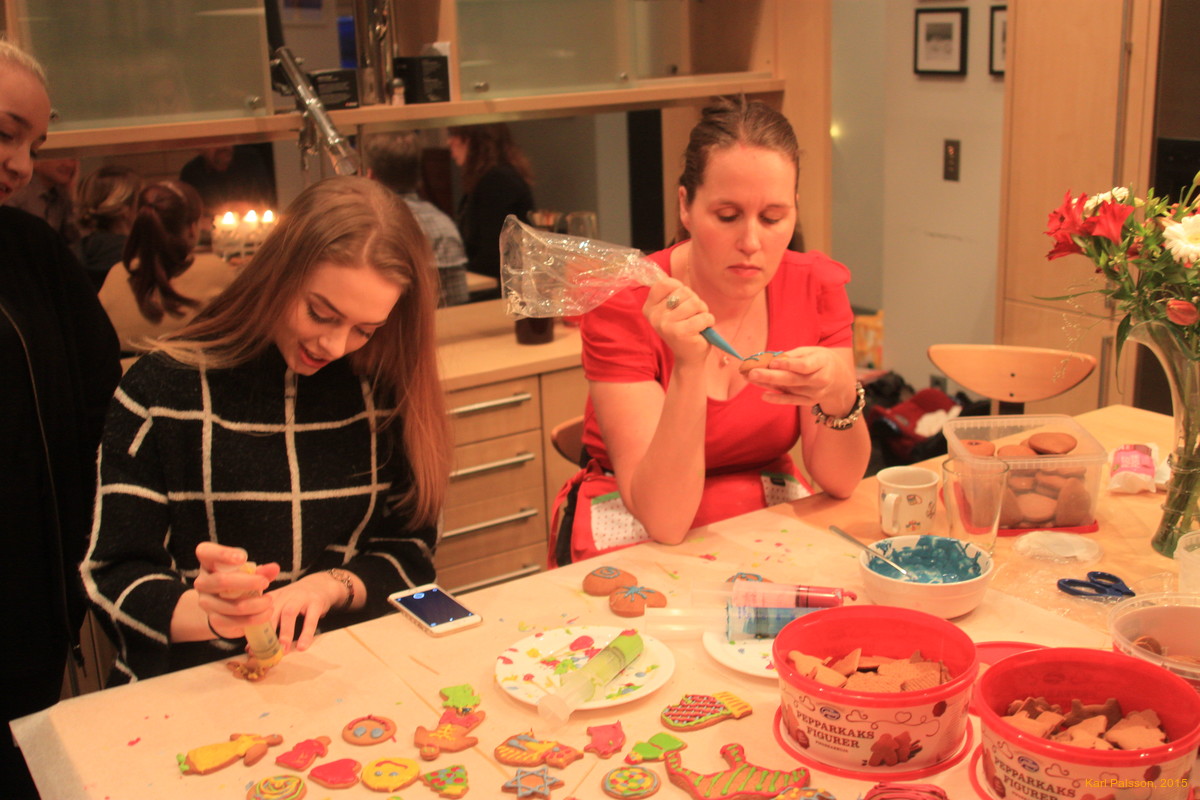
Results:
[945, 600]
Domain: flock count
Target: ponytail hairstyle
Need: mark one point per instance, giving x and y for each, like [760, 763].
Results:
[108, 197]
[350, 222]
[160, 246]
[487, 147]
[727, 122]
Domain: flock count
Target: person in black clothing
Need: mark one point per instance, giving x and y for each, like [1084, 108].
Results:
[232, 176]
[496, 179]
[58, 356]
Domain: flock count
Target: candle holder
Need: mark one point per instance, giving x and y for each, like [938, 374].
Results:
[237, 239]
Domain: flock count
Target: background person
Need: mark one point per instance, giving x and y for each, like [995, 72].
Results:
[672, 423]
[58, 356]
[50, 194]
[163, 283]
[496, 181]
[394, 159]
[298, 421]
[107, 206]
[232, 177]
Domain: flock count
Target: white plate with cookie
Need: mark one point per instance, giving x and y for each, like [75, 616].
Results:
[534, 666]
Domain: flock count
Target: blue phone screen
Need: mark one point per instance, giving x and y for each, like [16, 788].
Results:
[434, 607]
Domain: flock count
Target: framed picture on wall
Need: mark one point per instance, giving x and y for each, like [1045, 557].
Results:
[998, 44]
[940, 41]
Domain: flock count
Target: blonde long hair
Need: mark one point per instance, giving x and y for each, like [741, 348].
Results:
[347, 221]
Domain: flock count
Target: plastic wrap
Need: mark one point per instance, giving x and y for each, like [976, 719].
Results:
[547, 274]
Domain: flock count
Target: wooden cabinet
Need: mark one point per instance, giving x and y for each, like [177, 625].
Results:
[504, 477]
[1094, 135]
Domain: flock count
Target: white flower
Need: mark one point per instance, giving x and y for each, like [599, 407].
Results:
[1118, 193]
[1183, 239]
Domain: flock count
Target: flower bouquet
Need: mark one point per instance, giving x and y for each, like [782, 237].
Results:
[1146, 252]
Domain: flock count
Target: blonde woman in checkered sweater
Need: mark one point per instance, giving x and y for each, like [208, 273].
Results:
[298, 422]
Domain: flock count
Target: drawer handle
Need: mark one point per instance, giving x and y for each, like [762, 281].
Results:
[519, 458]
[532, 569]
[516, 399]
[524, 513]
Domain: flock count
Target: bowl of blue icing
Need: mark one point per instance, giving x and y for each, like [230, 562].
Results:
[946, 577]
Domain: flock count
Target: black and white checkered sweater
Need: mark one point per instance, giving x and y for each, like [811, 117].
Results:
[257, 457]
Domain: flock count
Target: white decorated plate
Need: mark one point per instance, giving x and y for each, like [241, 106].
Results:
[750, 656]
[532, 668]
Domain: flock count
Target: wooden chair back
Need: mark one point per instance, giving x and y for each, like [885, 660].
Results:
[1012, 375]
[567, 437]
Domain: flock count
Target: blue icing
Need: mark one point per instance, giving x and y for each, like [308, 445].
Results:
[933, 559]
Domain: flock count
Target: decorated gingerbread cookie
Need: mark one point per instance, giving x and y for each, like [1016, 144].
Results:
[450, 735]
[603, 581]
[246, 747]
[302, 754]
[389, 774]
[449, 781]
[632, 601]
[697, 711]
[526, 750]
[630, 783]
[533, 783]
[369, 730]
[462, 697]
[607, 740]
[340, 774]
[655, 749]
[741, 780]
[278, 787]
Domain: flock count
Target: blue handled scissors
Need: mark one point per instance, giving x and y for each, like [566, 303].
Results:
[1098, 584]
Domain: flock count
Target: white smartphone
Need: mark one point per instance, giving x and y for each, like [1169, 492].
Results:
[434, 610]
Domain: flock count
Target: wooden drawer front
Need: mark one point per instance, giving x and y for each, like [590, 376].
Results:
[496, 569]
[495, 467]
[497, 409]
[492, 525]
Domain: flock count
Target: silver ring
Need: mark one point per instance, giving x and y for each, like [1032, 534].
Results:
[672, 302]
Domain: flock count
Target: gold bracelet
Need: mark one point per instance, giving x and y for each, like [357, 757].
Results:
[343, 577]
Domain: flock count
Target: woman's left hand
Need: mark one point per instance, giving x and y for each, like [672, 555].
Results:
[311, 597]
[808, 375]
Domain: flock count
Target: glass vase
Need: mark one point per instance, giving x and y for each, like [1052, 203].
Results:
[1181, 511]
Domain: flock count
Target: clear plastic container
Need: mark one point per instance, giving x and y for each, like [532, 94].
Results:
[1086, 462]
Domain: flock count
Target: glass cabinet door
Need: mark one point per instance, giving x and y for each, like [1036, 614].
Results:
[134, 62]
[522, 47]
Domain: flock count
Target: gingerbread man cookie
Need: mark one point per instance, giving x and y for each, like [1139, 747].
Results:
[450, 735]
[742, 780]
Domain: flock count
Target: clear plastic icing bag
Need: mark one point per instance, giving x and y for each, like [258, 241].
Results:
[547, 274]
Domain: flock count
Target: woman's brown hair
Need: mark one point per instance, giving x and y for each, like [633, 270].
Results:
[487, 146]
[732, 121]
[160, 246]
[350, 222]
